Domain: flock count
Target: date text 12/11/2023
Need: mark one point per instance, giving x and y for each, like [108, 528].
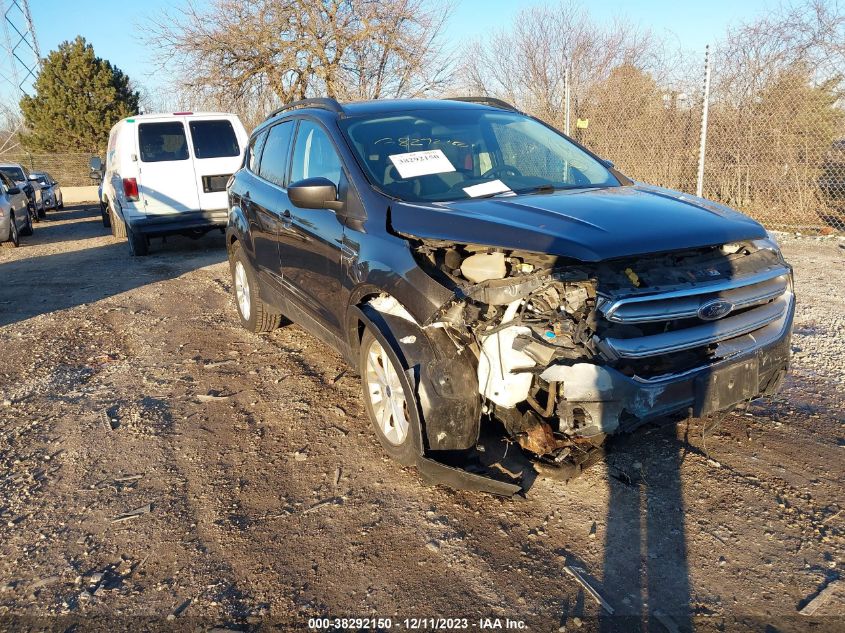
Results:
[415, 624]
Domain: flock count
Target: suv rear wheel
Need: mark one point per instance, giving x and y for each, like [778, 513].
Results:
[389, 398]
[256, 316]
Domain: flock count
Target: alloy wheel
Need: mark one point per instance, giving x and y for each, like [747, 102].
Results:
[242, 290]
[386, 395]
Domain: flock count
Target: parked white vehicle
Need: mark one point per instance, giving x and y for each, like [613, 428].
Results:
[166, 174]
[15, 219]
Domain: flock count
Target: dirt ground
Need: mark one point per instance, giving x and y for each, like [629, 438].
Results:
[263, 498]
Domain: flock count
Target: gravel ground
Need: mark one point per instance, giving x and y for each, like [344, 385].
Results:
[164, 468]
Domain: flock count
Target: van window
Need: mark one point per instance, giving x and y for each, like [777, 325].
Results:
[214, 139]
[274, 159]
[162, 141]
[314, 155]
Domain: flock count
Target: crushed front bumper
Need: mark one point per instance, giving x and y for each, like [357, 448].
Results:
[751, 366]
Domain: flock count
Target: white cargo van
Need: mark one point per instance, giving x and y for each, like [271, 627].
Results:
[166, 174]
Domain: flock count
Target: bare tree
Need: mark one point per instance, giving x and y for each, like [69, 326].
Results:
[526, 64]
[265, 51]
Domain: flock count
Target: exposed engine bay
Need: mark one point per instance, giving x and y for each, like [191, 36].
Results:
[542, 330]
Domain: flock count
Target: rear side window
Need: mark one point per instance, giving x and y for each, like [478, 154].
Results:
[255, 149]
[214, 139]
[274, 159]
[162, 141]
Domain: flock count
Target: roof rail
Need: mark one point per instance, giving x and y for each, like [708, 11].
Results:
[322, 102]
[491, 101]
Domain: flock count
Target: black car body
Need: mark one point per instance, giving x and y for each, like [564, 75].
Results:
[564, 311]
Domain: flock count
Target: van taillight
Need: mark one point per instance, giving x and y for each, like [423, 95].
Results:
[130, 188]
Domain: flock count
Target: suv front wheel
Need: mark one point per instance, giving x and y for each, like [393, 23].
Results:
[390, 399]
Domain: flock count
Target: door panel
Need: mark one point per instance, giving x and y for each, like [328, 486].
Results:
[166, 181]
[217, 148]
[269, 159]
[310, 239]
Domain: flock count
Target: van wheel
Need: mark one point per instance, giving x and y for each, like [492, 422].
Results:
[256, 316]
[27, 230]
[104, 213]
[118, 227]
[390, 399]
[139, 244]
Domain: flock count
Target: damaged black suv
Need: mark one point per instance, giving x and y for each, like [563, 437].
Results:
[482, 271]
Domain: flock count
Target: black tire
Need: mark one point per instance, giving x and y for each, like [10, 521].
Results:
[33, 212]
[104, 213]
[27, 230]
[408, 450]
[62, 205]
[14, 239]
[42, 212]
[261, 317]
[118, 227]
[139, 244]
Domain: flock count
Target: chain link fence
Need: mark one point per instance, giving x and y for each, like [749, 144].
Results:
[775, 149]
[70, 170]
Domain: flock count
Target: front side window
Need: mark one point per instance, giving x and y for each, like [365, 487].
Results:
[162, 142]
[214, 139]
[274, 159]
[461, 153]
[314, 154]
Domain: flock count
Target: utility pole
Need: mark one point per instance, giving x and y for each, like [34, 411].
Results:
[22, 60]
[702, 143]
[566, 109]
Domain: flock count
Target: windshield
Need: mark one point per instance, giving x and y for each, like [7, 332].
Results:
[441, 155]
[15, 173]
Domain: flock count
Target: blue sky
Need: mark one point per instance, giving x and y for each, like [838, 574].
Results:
[114, 27]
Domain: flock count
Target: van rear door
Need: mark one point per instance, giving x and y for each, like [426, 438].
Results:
[218, 145]
[166, 182]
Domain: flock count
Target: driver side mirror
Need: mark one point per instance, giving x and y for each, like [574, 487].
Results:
[13, 190]
[96, 163]
[315, 193]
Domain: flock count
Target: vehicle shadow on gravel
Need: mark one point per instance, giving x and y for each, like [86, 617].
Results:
[42, 283]
[646, 571]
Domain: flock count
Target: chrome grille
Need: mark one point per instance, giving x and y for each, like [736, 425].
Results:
[757, 300]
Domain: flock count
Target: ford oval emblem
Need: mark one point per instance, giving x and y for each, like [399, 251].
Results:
[715, 309]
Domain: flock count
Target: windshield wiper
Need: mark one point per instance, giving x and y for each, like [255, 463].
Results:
[552, 188]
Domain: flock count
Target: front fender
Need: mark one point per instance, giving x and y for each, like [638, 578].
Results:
[445, 378]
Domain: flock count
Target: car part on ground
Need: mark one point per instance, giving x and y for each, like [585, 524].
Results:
[540, 293]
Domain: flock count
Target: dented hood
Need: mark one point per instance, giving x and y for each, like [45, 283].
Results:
[587, 224]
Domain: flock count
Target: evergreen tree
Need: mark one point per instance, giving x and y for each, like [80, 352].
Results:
[78, 98]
